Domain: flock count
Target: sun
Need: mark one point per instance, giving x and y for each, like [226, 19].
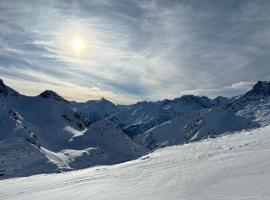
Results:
[78, 44]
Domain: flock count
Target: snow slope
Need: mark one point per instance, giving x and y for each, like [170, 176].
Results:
[232, 167]
[20, 153]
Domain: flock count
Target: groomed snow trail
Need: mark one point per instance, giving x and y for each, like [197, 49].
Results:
[232, 167]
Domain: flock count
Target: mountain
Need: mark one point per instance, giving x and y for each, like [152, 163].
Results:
[56, 134]
[20, 152]
[192, 118]
[140, 117]
[112, 141]
[261, 89]
[98, 109]
[6, 91]
[61, 135]
[251, 110]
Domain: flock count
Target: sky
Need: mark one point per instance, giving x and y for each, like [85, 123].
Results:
[134, 50]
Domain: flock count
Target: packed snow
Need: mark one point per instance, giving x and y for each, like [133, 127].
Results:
[231, 167]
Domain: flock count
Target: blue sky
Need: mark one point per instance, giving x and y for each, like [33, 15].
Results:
[134, 49]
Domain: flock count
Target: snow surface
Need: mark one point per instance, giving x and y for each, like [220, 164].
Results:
[232, 167]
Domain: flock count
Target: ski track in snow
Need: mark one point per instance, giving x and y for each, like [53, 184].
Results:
[232, 167]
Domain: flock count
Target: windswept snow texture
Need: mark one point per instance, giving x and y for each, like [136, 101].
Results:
[233, 167]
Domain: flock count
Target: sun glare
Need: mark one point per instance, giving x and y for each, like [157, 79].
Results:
[78, 44]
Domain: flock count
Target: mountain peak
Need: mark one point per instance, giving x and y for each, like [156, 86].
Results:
[49, 94]
[2, 85]
[261, 88]
[103, 100]
[192, 99]
[5, 90]
[219, 100]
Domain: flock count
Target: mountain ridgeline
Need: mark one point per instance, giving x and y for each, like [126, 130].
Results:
[47, 133]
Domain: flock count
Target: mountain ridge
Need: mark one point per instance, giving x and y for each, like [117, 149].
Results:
[68, 135]
[50, 93]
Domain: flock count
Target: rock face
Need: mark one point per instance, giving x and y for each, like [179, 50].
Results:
[49, 94]
[4, 90]
[98, 109]
[260, 89]
[64, 135]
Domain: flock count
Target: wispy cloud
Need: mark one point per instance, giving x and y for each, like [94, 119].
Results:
[135, 49]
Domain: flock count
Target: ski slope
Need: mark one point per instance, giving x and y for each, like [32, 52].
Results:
[232, 167]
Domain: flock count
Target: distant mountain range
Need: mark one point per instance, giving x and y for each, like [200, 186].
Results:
[46, 133]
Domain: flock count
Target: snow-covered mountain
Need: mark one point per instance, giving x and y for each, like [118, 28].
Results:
[20, 152]
[47, 133]
[191, 118]
[138, 118]
[98, 109]
[64, 135]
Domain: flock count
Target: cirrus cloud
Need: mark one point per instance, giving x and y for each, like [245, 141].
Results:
[137, 49]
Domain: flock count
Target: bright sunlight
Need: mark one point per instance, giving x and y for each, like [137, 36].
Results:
[78, 44]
